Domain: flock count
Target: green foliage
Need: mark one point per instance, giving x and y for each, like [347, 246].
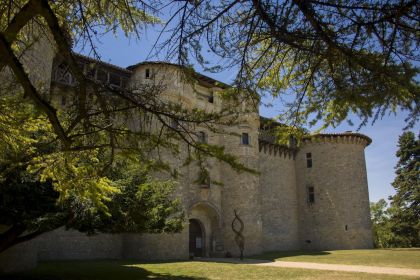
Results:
[399, 225]
[29, 203]
[43, 188]
[406, 202]
[324, 62]
[381, 225]
[137, 204]
[141, 205]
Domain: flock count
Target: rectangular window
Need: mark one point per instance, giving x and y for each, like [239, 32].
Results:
[308, 160]
[114, 79]
[147, 73]
[90, 71]
[245, 139]
[102, 76]
[205, 184]
[311, 195]
[202, 137]
[210, 98]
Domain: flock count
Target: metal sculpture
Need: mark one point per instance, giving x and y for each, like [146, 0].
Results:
[239, 238]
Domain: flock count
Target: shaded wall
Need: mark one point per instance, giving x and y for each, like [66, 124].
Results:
[278, 201]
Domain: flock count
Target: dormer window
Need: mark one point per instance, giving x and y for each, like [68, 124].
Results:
[245, 138]
[147, 73]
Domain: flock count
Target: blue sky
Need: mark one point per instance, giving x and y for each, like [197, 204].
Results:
[380, 155]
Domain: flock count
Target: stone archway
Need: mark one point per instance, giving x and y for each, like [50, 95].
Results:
[205, 222]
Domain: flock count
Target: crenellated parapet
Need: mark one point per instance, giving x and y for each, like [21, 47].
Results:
[342, 138]
[270, 148]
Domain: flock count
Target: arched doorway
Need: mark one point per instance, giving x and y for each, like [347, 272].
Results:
[196, 244]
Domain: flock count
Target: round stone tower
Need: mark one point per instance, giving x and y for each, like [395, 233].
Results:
[241, 191]
[333, 192]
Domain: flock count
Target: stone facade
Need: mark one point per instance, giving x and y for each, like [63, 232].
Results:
[275, 205]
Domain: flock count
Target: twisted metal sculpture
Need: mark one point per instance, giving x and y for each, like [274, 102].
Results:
[239, 238]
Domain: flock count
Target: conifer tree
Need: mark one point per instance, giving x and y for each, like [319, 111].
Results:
[405, 204]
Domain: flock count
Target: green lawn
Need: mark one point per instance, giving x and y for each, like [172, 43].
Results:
[406, 258]
[124, 270]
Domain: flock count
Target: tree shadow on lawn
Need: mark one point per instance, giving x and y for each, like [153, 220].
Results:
[275, 255]
[266, 257]
[94, 270]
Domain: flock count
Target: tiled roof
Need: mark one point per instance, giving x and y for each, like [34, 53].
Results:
[94, 60]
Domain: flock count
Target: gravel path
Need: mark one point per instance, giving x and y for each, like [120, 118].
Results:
[346, 267]
[323, 266]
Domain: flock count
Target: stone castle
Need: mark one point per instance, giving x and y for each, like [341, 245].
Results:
[308, 197]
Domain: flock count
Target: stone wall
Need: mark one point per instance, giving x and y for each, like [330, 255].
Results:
[241, 191]
[279, 205]
[64, 244]
[73, 245]
[18, 258]
[339, 218]
[156, 246]
[38, 58]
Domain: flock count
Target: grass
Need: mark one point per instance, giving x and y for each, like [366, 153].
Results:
[196, 270]
[124, 270]
[404, 258]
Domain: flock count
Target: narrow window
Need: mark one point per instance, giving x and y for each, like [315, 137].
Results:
[202, 138]
[204, 179]
[245, 139]
[210, 98]
[311, 195]
[292, 142]
[308, 160]
[147, 74]
[205, 183]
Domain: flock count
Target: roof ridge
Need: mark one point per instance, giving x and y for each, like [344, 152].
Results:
[102, 62]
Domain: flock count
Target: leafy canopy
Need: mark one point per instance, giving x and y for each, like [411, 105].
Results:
[325, 61]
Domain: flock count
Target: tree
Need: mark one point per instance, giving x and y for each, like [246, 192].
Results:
[43, 188]
[381, 226]
[405, 204]
[140, 204]
[324, 60]
[66, 156]
[334, 58]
